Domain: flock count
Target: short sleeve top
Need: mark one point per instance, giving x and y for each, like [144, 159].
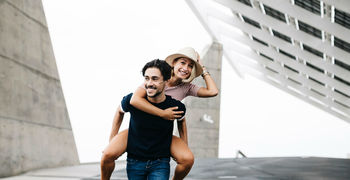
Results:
[149, 136]
[182, 90]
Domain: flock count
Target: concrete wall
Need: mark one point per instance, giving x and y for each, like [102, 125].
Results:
[35, 130]
[203, 137]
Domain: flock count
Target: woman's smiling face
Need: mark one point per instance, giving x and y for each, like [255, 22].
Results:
[183, 68]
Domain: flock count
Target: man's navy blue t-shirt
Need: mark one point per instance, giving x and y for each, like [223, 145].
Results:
[149, 136]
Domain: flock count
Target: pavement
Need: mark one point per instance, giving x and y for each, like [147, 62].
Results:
[274, 168]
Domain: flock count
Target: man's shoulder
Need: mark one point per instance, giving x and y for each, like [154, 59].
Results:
[174, 101]
[171, 99]
[128, 96]
[125, 103]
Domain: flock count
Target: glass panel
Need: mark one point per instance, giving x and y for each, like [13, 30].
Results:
[342, 44]
[310, 29]
[287, 54]
[267, 57]
[246, 2]
[282, 36]
[251, 22]
[313, 51]
[313, 6]
[315, 67]
[342, 64]
[260, 41]
[274, 13]
[342, 18]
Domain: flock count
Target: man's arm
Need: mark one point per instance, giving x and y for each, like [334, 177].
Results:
[117, 121]
[181, 126]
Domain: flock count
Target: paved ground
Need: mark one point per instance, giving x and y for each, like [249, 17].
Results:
[284, 168]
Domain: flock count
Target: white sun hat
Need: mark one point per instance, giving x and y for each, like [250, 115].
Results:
[191, 54]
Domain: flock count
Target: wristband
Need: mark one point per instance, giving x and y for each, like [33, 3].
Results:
[205, 73]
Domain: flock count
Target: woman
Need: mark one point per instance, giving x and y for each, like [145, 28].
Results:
[186, 66]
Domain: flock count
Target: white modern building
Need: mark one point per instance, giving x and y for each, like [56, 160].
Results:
[299, 46]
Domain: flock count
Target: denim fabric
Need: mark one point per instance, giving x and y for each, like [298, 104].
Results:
[158, 169]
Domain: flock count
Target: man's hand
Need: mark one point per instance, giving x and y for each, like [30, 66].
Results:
[171, 114]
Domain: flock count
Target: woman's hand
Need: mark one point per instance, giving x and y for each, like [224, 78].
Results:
[199, 59]
[171, 114]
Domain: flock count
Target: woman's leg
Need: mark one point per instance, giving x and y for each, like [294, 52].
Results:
[113, 151]
[183, 156]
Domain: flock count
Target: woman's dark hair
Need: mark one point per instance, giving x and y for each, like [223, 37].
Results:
[164, 68]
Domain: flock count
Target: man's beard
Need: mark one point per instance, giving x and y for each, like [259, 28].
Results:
[156, 94]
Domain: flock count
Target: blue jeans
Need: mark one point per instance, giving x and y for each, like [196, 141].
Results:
[158, 169]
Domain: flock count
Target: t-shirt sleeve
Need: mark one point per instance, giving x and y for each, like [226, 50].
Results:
[125, 103]
[193, 90]
[182, 107]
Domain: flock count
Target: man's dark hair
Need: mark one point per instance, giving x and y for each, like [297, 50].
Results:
[164, 68]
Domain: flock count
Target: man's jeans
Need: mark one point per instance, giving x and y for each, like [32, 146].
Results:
[158, 169]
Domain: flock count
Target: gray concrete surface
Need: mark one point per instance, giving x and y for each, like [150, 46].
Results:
[203, 137]
[35, 130]
[281, 168]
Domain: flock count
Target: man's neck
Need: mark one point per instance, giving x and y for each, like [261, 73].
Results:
[158, 99]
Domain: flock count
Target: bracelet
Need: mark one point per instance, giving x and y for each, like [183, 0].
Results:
[205, 73]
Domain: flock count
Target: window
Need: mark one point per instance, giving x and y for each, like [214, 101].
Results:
[267, 57]
[251, 22]
[318, 82]
[313, 51]
[274, 13]
[342, 104]
[335, 90]
[246, 2]
[341, 64]
[309, 29]
[342, 80]
[315, 67]
[295, 81]
[272, 70]
[260, 41]
[282, 36]
[342, 18]
[319, 93]
[287, 54]
[313, 6]
[342, 44]
[292, 69]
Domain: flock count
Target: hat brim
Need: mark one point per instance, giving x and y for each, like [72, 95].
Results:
[170, 59]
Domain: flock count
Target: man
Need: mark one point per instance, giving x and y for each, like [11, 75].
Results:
[149, 136]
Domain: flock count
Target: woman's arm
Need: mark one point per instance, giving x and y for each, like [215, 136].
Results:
[181, 126]
[139, 101]
[117, 121]
[210, 90]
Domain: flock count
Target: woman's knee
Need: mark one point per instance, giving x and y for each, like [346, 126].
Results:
[110, 156]
[189, 159]
[186, 158]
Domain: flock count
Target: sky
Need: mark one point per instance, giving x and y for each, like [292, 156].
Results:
[100, 47]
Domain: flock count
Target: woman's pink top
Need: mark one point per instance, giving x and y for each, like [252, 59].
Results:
[182, 90]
